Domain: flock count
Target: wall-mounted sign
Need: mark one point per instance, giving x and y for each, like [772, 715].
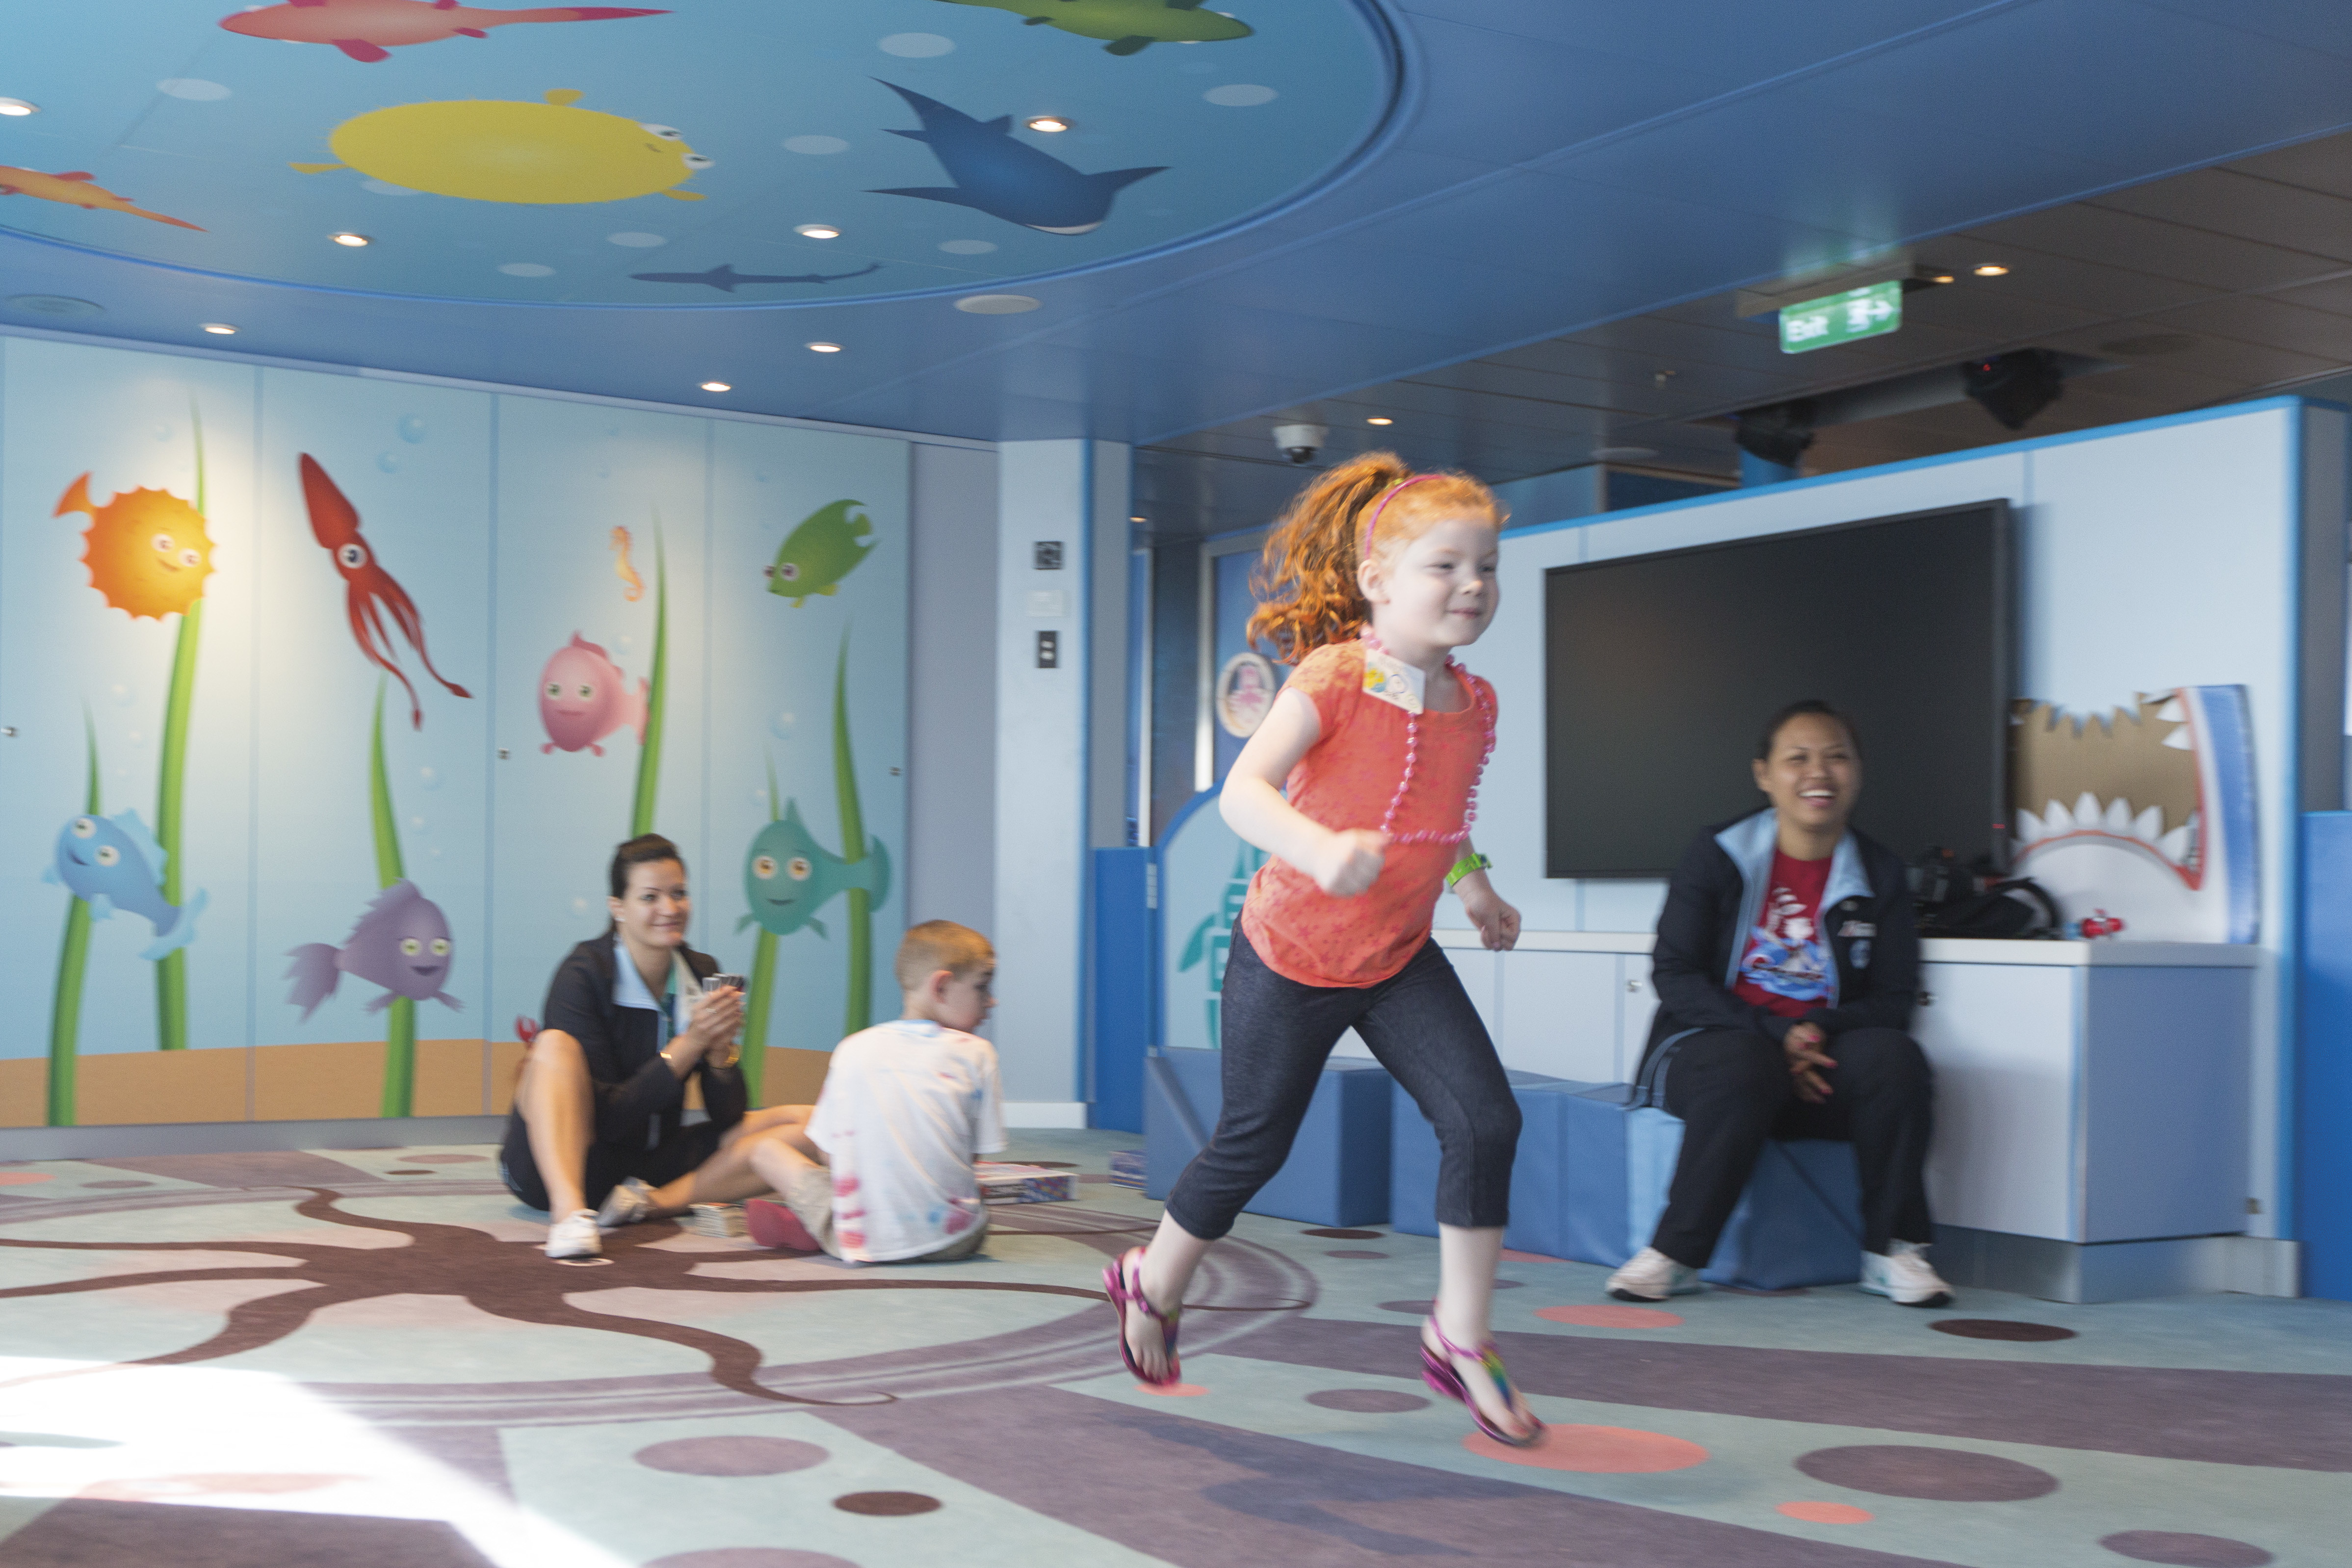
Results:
[1245, 693]
[1866, 312]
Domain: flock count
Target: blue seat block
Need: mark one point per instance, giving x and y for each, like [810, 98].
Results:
[1413, 1159]
[1798, 1222]
[1592, 1202]
[1338, 1173]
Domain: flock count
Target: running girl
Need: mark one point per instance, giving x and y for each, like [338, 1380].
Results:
[1370, 582]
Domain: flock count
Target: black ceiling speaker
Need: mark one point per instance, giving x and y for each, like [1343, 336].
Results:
[1778, 432]
[2015, 386]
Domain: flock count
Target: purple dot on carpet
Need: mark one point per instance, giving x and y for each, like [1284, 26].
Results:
[118, 1183]
[1416, 1308]
[730, 1455]
[1936, 1475]
[2185, 1549]
[1354, 1252]
[886, 1504]
[752, 1557]
[1343, 1232]
[1999, 1329]
[1367, 1401]
[1507, 1284]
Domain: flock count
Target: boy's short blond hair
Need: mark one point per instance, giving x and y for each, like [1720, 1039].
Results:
[941, 944]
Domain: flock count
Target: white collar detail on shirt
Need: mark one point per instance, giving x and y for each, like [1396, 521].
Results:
[927, 1027]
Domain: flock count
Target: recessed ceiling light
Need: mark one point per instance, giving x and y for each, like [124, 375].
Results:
[17, 108]
[1136, 520]
[997, 304]
[717, 386]
[220, 328]
[1049, 123]
[1940, 278]
[824, 348]
[352, 240]
[1990, 270]
[817, 231]
[1380, 419]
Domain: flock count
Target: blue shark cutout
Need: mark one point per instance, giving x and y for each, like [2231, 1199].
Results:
[1007, 179]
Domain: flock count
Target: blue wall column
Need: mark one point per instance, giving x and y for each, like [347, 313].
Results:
[1756, 470]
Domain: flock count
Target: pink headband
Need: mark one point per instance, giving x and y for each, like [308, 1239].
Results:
[1364, 551]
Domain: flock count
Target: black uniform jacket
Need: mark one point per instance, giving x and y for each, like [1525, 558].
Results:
[634, 1088]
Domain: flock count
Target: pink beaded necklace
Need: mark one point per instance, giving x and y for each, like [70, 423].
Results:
[1413, 757]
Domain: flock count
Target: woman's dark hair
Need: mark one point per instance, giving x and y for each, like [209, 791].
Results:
[643, 850]
[1773, 725]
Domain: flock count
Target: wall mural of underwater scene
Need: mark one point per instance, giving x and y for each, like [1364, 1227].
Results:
[331, 695]
[675, 157]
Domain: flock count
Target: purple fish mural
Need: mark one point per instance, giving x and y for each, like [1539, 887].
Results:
[401, 943]
[583, 697]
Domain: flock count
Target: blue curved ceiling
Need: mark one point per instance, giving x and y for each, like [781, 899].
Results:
[1548, 165]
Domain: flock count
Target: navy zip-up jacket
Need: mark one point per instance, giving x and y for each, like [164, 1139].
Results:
[635, 1091]
[1712, 903]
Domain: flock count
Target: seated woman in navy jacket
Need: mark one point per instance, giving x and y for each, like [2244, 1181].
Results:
[597, 1117]
[1786, 966]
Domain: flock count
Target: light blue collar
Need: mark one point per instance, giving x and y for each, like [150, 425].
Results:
[629, 989]
[927, 1027]
[1750, 842]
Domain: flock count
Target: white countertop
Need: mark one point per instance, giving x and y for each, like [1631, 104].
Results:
[2103, 954]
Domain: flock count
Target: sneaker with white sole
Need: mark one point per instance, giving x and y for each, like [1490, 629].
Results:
[1903, 1275]
[627, 1204]
[1650, 1276]
[574, 1236]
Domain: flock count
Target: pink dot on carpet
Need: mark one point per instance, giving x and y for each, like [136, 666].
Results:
[1171, 1390]
[1595, 1451]
[1826, 1512]
[730, 1455]
[1513, 1256]
[1599, 1316]
[25, 1178]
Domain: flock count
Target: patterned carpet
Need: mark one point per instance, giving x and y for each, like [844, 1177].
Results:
[358, 1357]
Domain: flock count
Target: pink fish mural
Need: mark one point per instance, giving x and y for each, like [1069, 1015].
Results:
[365, 29]
[583, 697]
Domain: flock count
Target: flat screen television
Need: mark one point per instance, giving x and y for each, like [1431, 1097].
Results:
[1661, 669]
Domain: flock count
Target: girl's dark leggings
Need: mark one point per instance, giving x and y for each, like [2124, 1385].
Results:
[1421, 1026]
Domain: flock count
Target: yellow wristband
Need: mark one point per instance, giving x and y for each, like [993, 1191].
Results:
[1464, 866]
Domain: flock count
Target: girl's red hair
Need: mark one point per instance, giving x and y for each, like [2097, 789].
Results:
[1306, 582]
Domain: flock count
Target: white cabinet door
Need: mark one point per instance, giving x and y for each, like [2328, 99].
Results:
[1637, 1005]
[2000, 1037]
[1559, 1014]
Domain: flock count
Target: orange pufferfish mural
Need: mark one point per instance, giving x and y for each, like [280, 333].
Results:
[148, 550]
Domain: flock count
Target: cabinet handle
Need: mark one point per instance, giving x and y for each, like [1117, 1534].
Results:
[1926, 999]
[1634, 986]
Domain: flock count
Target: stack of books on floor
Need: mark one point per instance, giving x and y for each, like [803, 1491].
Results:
[1001, 1183]
[1127, 1169]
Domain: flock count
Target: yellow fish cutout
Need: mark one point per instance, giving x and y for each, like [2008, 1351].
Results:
[497, 150]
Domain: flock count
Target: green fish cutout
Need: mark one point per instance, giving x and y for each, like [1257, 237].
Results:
[825, 548]
[1129, 26]
[789, 875]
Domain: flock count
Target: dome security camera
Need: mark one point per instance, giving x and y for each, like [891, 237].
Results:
[1299, 443]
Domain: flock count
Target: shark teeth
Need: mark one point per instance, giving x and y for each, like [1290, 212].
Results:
[2114, 819]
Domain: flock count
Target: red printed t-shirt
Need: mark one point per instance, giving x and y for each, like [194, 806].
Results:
[1346, 779]
[1785, 967]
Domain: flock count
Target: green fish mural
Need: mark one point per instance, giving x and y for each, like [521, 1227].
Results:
[825, 548]
[1131, 25]
[788, 875]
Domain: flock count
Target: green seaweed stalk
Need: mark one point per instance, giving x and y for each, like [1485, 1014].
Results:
[172, 969]
[860, 922]
[763, 978]
[400, 1033]
[641, 812]
[73, 960]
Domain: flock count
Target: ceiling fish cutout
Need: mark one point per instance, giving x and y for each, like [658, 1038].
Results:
[371, 593]
[366, 29]
[1005, 178]
[726, 279]
[531, 154]
[1129, 26]
[77, 190]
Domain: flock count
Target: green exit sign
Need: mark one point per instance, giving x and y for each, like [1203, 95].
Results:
[1857, 313]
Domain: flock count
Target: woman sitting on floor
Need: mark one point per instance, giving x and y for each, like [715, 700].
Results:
[1786, 966]
[597, 1114]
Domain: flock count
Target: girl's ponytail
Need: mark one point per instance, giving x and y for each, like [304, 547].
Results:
[1306, 581]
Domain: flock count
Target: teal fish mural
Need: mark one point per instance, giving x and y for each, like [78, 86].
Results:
[114, 863]
[789, 875]
[826, 547]
[1130, 27]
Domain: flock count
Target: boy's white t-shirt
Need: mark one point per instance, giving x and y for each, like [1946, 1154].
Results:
[906, 1106]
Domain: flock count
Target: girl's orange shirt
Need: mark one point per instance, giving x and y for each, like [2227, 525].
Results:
[1347, 780]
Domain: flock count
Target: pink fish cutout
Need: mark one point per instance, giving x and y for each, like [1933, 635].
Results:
[583, 697]
[365, 29]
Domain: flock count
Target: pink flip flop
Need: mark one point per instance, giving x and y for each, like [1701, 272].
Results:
[773, 1224]
[1438, 1373]
[1123, 1283]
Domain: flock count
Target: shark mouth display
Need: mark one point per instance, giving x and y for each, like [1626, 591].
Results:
[2141, 820]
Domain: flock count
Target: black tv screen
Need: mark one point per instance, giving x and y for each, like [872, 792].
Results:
[1661, 669]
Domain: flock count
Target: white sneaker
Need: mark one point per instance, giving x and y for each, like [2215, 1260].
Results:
[627, 1204]
[1903, 1275]
[1650, 1276]
[574, 1236]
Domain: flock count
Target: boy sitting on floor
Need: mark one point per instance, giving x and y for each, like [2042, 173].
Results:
[906, 1106]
